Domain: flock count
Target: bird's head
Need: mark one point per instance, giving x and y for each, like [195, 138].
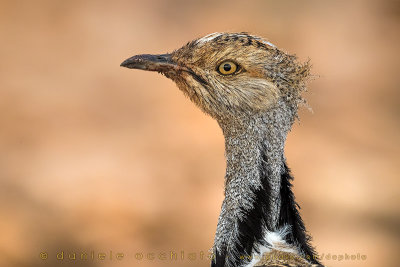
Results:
[230, 75]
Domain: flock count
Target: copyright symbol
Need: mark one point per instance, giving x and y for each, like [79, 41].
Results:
[43, 255]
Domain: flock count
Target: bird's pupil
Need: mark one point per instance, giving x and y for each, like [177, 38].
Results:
[227, 67]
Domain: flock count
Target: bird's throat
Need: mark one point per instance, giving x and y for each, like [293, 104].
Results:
[258, 195]
[254, 151]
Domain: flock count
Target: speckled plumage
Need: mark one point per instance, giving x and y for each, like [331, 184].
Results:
[255, 107]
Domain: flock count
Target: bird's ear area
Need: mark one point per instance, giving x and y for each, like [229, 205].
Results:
[254, 72]
[260, 93]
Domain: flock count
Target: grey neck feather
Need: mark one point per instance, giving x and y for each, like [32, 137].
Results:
[245, 140]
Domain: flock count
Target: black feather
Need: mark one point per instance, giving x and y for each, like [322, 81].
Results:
[289, 215]
[256, 219]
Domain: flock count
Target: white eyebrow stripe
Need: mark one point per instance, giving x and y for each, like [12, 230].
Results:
[209, 37]
[264, 41]
[268, 43]
[214, 35]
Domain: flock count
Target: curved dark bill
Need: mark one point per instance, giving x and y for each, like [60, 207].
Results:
[148, 62]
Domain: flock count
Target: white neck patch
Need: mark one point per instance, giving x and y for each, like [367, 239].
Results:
[275, 240]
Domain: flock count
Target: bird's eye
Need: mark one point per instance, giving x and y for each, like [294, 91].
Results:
[228, 67]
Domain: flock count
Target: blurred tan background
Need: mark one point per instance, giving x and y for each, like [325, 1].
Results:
[94, 157]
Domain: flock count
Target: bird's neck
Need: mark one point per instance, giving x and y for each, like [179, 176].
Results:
[254, 183]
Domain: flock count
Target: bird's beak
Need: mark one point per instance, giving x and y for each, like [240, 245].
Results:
[161, 63]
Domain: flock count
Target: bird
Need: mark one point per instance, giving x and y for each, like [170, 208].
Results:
[253, 90]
